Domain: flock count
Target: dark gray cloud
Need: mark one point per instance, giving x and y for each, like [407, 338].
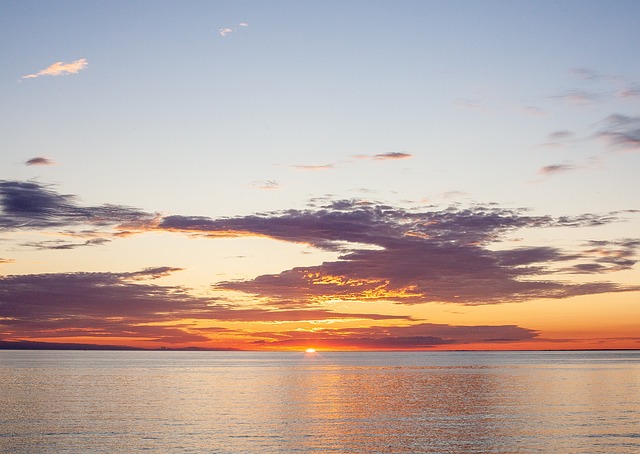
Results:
[31, 205]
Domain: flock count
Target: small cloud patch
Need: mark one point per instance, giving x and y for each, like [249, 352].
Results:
[39, 161]
[60, 69]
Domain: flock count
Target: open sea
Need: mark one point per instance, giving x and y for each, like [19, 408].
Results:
[327, 402]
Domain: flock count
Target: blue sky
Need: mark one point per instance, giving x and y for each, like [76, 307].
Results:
[231, 109]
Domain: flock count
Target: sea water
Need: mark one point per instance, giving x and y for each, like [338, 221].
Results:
[327, 402]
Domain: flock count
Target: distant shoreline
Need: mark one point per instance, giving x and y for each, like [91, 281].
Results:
[33, 345]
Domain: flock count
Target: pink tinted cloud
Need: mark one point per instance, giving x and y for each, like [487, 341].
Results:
[60, 69]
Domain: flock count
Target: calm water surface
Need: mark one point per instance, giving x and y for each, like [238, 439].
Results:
[245, 402]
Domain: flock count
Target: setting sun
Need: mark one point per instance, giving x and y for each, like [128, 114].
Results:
[310, 350]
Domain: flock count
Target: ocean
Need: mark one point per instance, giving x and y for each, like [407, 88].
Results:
[327, 402]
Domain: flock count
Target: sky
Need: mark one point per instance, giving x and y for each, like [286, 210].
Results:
[353, 175]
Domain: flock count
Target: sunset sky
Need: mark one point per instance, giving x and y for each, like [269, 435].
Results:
[342, 175]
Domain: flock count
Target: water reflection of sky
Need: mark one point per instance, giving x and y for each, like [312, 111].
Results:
[237, 402]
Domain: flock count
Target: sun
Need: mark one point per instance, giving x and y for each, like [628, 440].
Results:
[310, 350]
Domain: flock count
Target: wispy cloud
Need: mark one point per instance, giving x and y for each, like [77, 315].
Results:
[555, 169]
[561, 135]
[389, 156]
[314, 167]
[622, 132]
[534, 110]
[266, 184]
[612, 86]
[579, 98]
[39, 161]
[59, 69]
[64, 245]
[631, 92]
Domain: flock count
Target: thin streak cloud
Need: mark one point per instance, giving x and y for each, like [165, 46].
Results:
[60, 69]
[314, 167]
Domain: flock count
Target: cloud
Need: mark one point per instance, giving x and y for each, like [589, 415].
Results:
[266, 185]
[108, 305]
[29, 205]
[385, 253]
[409, 257]
[589, 74]
[64, 245]
[60, 69]
[554, 169]
[392, 155]
[228, 30]
[561, 135]
[631, 92]
[472, 104]
[314, 167]
[609, 256]
[616, 87]
[621, 132]
[579, 97]
[39, 161]
[533, 110]
[418, 336]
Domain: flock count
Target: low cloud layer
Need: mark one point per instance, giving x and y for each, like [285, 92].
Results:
[126, 305]
[384, 253]
[419, 336]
